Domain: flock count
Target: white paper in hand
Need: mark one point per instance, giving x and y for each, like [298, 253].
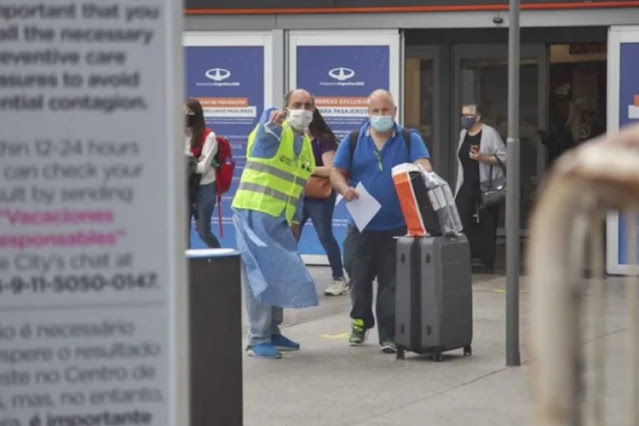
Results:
[363, 209]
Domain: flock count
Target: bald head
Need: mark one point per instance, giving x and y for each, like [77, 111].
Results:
[381, 102]
[381, 95]
[299, 99]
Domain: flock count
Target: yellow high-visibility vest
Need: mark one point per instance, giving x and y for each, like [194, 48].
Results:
[273, 185]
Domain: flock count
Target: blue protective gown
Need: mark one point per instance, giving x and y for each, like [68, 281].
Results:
[274, 269]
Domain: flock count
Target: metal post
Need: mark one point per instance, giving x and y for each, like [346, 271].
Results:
[279, 81]
[512, 195]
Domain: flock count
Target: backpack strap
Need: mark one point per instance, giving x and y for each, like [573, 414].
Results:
[216, 158]
[353, 137]
[406, 136]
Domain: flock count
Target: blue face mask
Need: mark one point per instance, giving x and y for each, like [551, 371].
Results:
[382, 123]
[468, 122]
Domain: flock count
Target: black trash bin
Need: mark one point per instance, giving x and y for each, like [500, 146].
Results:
[216, 337]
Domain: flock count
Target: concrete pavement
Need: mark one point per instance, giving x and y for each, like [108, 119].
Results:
[331, 383]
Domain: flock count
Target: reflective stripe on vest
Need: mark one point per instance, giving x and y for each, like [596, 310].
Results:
[261, 189]
[265, 168]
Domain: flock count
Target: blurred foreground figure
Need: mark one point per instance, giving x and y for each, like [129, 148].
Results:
[599, 176]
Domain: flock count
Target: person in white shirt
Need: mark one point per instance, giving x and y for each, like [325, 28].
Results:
[201, 144]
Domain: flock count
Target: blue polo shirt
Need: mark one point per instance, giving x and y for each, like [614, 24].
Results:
[373, 168]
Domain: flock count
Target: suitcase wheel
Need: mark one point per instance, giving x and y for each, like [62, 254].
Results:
[400, 353]
[468, 350]
[437, 357]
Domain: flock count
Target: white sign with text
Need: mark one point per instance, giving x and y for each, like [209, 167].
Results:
[92, 226]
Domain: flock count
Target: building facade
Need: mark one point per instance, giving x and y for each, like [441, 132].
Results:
[434, 56]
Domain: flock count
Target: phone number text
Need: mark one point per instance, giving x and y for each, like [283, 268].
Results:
[78, 283]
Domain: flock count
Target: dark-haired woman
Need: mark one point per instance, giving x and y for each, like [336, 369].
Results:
[201, 144]
[320, 210]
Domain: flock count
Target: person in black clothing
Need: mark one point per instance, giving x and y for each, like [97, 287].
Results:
[481, 151]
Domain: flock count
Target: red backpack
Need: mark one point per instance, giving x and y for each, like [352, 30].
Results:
[225, 165]
[224, 169]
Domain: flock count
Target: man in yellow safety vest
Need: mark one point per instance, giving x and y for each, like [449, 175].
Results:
[267, 210]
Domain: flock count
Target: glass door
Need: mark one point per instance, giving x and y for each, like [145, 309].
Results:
[421, 96]
[481, 76]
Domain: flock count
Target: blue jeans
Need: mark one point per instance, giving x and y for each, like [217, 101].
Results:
[264, 320]
[205, 202]
[370, 255]
[320, 211]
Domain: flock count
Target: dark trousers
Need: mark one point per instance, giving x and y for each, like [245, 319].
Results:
[370, 255]
[480, 225]
[321, 213]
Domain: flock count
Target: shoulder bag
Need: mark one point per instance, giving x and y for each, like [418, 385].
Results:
[493, 192]
[318, 187]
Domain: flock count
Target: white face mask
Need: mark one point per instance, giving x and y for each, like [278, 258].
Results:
[299, 119]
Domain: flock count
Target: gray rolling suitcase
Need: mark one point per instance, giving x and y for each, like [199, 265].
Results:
[434, 299]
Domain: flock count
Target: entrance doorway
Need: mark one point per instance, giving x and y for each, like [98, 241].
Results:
[438, 80]
[422, 91]
[481, 77]
[445, 68]
[577, 95]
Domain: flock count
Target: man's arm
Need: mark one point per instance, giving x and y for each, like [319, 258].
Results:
[425, 163]
[340, 166]
[269, 133]
[419, 153]
[338, 179]
[339, 171]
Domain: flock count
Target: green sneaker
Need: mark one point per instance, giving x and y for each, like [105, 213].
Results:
[358, 332]
[388, 347]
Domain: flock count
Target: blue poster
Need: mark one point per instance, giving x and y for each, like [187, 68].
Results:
[628, 113]
[340, 78]
[229, 83]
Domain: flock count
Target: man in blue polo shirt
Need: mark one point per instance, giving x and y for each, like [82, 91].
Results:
[371, 253]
